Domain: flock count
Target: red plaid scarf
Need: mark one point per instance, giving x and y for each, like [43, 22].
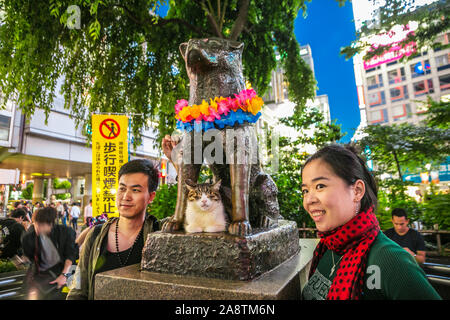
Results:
[353, 240]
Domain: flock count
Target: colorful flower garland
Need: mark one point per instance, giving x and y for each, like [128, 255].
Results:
[219, 113]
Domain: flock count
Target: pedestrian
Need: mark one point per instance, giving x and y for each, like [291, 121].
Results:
[88, 214]
[74, 214]
[52, 250]
[407, 238]
[65, 214]
[353, 259]
[37, 206]
[59, 212]
[11, 232]
[29, 209]
[119, 242]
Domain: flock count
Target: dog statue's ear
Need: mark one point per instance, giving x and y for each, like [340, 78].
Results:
[183, 48]
[237, 46]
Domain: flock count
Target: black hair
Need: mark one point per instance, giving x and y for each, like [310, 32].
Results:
[144, 166]
[18, 213]
[17, 203]
[399, 212]
[45, 215]
[349, 166]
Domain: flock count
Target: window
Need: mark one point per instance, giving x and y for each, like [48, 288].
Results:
[420, 68]
[376, 99]
[372, 69]
[379, 116]
[444, 82]
[374, 82]
[391, 63]
[399, 93]
[5, 126]
[442, 62]
[423, 87]
[396, 76]
[401, 112]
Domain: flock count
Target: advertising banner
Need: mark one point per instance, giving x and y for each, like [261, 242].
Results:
[109, 153]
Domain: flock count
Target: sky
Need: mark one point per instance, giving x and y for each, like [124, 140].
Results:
[326, 29]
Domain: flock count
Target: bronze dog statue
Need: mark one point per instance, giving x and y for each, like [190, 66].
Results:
[214, 67]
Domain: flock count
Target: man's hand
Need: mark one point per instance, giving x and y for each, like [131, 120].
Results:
[61, 281]
[409, 251]
[167, 145]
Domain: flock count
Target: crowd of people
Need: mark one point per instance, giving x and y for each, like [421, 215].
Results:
[353, 259]
[43, 238]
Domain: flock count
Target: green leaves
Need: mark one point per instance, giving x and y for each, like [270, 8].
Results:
[432, 19]
[117, 56]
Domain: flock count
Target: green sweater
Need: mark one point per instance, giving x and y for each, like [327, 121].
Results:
[391, 274]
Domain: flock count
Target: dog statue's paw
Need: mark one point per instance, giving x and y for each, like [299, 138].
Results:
[240, 228]
[171, 226]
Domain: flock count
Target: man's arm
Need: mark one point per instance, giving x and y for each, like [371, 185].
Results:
[61, 280]
[419, 256]
[81, 291]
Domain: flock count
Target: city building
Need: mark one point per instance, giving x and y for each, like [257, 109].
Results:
[277, 104]
[392, 90]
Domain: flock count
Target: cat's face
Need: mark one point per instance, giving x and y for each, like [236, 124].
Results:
[205, 196]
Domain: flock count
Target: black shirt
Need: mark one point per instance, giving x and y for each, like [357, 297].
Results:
[412, 240]
[10, 238]
[109, 260]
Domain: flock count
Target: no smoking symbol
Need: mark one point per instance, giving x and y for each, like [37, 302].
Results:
[109, 129]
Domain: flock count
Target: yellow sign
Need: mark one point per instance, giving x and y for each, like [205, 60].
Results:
[109, 153]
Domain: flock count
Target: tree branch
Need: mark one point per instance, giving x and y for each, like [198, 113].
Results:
[241, 20]
[161, 22]
[211, 19]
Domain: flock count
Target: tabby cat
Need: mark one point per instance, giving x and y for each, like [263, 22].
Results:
[205, 211]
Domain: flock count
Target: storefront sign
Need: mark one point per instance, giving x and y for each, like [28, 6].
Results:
[109, 153]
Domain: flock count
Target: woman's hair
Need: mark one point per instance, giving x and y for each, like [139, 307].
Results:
[349, 166]
[45, 215]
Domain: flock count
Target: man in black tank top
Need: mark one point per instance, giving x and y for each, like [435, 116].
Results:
[119, 242]
[409, 239]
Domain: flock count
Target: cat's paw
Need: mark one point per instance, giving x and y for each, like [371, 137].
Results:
[218, 228]
[240, 228]
[192, 229]
[171, 226]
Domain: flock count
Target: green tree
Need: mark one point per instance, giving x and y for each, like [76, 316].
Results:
[432, 19]
[396, 148]
[292, 157]
[124, 58]
[437, 113]
[165, 201]
[27, 193]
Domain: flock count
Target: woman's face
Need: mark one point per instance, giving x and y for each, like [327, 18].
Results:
[327, 198]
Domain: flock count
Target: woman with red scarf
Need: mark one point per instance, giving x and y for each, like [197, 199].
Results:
[353, 259]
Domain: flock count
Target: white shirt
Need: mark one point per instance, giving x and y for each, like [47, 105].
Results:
[75, 212]
[88, 211]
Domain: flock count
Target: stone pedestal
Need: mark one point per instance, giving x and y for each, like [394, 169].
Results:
[220, 255]
[129, 283]
[218, 266]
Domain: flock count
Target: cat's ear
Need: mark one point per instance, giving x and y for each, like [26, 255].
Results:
[216, 185]
[189, 184]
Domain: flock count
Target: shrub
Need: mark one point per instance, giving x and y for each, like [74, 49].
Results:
[165, 201]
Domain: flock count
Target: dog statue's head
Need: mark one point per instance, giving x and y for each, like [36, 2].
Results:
[214, 67]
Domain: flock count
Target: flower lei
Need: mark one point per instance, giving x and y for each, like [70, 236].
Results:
[220, 112]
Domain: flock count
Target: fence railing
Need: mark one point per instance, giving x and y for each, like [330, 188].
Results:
[303, 232]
